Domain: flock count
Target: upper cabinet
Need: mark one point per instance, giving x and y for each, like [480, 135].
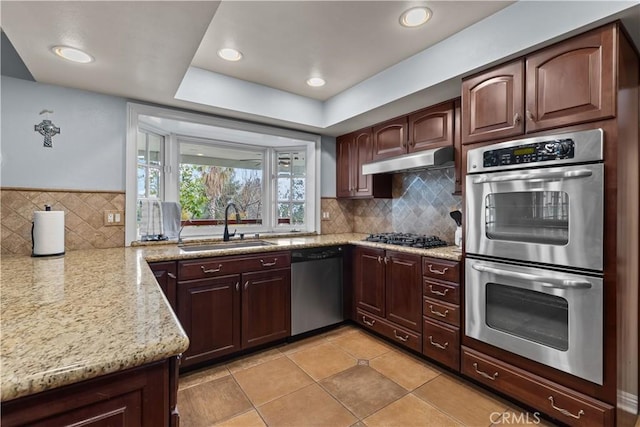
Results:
[421, 130]
[390, 138]
[493, 103]
[568, 83]
[352, 151]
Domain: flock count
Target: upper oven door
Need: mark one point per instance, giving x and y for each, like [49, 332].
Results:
[546, 215]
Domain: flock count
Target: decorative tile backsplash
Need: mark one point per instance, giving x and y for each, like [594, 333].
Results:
[421, 204]
[84, 218]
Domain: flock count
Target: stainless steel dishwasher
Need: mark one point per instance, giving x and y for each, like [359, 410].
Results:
[316, 288]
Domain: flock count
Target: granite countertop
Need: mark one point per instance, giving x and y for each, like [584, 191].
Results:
[165, 252]
[94, 312]
[79, 316]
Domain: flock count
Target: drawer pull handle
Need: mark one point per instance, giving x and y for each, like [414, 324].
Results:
[213, 270]
[530, 116]
[237, 286]
[443, 271]
[564, 411]
[435, 344]
[246, 285]
[437, 313]
[364, 319]
[171, 275]
[269, 264]
[484, 374]
[403, 339]
[379, 260]
[386, 260]
[443, 293]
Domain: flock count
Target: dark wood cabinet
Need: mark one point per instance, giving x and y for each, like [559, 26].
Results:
[138, 397]
[388, 294]
[369, 280]
[432, 127]
[165, 273]
[352, 151]
[390, 138]
[266, 307]
[403, 289]
[209, 310]
[493, 103]
[572, 82]
[228, 304]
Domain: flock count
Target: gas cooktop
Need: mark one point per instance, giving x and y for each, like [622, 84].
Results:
[407, 239]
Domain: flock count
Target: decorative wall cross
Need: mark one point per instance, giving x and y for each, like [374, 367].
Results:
[47, 129]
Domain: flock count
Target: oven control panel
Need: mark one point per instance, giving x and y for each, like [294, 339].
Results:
[556, 149]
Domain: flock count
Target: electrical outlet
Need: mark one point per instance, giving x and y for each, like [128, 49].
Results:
[325, 216]
[113, 218]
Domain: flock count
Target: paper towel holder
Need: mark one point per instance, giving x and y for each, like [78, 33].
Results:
[47, 240]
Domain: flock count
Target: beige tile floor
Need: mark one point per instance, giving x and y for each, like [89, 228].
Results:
[345, 377]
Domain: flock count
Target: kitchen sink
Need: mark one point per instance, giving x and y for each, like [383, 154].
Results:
[225, 245]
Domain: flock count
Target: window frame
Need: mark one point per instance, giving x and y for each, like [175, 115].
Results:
[311, 142]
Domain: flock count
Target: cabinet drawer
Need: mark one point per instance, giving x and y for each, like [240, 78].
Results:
[447, 292]
[568, 406]
[441, 269]
[212, 267]
[442, 311]
[441, 342]
[400, 335]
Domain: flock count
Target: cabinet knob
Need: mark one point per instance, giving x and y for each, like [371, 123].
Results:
[530, 116]
[246, 285]
[516, 119]
[237, 286]
[171, 275]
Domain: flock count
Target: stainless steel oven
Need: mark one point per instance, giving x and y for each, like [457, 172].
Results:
[552, 317]
[534, 250]
[538, 200]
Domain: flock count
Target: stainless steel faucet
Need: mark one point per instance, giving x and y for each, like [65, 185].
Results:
[188, 221]
[226, 235]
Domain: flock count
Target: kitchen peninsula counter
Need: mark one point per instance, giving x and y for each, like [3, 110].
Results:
[94, 312]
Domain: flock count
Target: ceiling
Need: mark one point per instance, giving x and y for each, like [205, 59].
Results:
[164, 52]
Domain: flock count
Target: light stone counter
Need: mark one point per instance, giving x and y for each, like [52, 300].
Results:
[94, 312]
[86, 314]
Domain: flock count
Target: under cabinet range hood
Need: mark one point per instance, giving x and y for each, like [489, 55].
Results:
[437, 157]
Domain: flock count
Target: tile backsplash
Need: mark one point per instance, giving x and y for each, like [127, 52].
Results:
[421, 204]
[84, 218]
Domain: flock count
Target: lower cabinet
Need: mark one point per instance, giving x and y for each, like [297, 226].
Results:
[388, 294]
[565, 405]
[138, 397]
[228, 304]
[166, 276]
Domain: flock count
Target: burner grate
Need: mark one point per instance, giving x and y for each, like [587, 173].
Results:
[407, 239]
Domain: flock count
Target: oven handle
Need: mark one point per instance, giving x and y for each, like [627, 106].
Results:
[547, 281]
[535, 177]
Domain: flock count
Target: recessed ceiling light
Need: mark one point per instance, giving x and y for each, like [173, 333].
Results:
[199, 154]
[415, 17]
[316, 82]
[72, 54]
[229, 54]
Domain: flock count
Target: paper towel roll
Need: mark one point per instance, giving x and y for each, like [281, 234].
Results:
[48, 233]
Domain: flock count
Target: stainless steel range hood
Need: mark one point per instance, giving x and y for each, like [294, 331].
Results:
[437, 157]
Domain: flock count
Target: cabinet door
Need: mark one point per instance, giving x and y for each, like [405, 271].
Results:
[572, 81]
[266, 306]
[209, 311]
[369, 280]
[431, 128]
[165, 273]
[404, 289]
[362, 153]
[390, 138]
[344, 176]
[457, 148]
[493, 104]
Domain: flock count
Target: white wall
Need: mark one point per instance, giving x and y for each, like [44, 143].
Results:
[328, 166]
[89, 152]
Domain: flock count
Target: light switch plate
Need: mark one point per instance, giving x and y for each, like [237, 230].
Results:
[113, 218]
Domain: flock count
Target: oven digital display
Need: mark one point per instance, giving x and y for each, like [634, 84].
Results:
[523, 151]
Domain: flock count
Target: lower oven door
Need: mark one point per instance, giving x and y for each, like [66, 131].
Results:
[545, 215]
[554, 318]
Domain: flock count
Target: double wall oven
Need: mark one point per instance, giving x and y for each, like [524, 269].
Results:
[534, 249]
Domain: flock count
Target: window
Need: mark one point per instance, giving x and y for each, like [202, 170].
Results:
[205, 163]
